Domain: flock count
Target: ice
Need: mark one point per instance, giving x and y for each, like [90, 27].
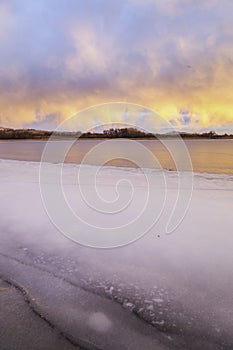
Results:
[83, 289]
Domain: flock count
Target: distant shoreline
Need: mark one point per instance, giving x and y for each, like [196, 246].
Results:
[123, 133]
[105, 139]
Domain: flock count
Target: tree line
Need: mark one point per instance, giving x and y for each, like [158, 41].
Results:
[7, 133]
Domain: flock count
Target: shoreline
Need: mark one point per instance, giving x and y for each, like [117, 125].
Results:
[125, 168]
[176, 137]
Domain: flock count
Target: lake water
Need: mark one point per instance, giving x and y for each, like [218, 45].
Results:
[211, 156]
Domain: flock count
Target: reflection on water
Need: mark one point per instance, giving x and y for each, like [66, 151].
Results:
[212, 156]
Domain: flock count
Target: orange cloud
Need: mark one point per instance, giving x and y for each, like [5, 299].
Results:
[171, 57]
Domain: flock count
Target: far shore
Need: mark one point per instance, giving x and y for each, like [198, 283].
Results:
[117, 133]
[107, 138]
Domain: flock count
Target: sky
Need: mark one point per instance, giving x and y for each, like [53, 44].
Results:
[58, 57]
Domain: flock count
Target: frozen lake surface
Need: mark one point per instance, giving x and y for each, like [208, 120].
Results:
[161, 292]
[211, 156]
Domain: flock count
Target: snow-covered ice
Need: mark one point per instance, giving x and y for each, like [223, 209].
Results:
[164, 291]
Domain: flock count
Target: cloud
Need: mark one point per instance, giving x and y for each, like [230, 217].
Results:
[47, 122]
[168, 55]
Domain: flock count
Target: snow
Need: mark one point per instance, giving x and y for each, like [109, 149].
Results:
[100, 322]
[158, 300]
[179, 283]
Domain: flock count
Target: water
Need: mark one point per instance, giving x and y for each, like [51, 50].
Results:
[211, 156]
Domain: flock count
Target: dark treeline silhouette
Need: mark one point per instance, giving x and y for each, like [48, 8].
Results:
[119, 133]
[7, 133]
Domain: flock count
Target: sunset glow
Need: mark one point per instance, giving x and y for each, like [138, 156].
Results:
[175, 57]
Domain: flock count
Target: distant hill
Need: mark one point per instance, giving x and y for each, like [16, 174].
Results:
[9, 134]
